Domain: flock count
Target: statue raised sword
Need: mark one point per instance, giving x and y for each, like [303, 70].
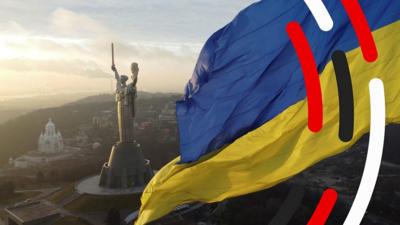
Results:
[125, 96]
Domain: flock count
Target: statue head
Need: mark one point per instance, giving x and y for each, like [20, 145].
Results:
[124, 79]
[134, 69]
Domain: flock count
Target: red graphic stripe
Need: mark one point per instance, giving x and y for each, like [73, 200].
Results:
[360, 24]
[324, 208]
[310, 73]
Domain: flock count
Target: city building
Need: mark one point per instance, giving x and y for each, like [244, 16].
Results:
[105, 119]
[50, 141]
[38, 159]
[29, 160]
[167, 117]
[167, 124]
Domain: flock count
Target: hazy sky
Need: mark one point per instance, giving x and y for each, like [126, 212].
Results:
[63, 46]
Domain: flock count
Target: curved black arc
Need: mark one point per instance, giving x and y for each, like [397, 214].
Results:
[289, 206]
[346, 98]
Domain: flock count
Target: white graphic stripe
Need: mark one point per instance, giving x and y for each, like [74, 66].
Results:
[320, 14]
[374, 156]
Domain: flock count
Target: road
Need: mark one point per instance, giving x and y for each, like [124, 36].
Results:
[44, 192]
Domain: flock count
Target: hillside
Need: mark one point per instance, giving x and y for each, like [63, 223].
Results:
[12, 108]
[20, 135]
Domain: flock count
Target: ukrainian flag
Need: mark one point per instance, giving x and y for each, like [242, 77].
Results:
[243, 120]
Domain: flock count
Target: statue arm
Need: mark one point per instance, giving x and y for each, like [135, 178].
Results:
[113, 68]
[117, 77]
[135, 79]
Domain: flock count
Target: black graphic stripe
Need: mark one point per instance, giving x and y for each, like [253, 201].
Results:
[289, 206]
[346, 100]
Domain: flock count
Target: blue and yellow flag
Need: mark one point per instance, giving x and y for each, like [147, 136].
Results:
[243, 120]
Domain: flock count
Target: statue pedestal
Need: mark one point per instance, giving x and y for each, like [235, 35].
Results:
[126, 167]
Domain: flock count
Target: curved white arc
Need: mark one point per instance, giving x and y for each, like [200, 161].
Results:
[320, 13]
[374, 156]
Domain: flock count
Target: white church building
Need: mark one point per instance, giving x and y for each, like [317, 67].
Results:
[50, 149]
[50, 141]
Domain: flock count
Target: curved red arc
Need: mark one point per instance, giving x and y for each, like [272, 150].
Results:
[363, 31]
[310, 73]
[324, 208]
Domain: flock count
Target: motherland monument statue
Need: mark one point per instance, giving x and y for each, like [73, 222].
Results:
[126, 167]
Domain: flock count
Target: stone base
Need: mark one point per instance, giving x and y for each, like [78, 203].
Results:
[126, 168]
[91, 186]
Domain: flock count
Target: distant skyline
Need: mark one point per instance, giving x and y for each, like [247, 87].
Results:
[64, 46]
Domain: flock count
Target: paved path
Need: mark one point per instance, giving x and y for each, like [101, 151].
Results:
[44, 193]
[92, 219]
[69, 199]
